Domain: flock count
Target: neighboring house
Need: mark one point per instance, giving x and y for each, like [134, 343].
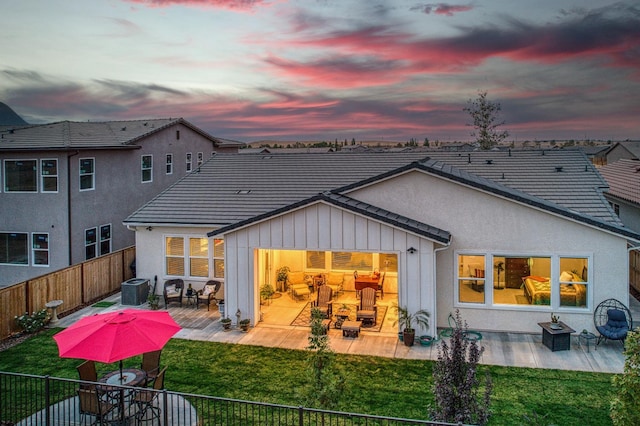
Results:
[67, 186]
[439, 224]
[629, 150]
[623, 178]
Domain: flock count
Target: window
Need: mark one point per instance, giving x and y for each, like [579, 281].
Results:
[178, 134]
[471, 278]
[147, 168]
[200, 158]
[49, 175]
[87, 174]
[315, 259]
[174, 256]
[105, 239]
[388, 262]
[14, 248]
[20, 176]
[40, 249]
[352, 261]
[198, 257]
[169, 164]
[218, 258]
[189, 162]
[523, 280]
[90, 242]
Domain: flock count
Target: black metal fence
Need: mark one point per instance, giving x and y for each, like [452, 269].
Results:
[28, 400]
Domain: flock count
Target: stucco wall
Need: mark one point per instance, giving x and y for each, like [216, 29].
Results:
[484, 222]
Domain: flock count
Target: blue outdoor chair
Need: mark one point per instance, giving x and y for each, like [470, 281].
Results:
[612, 320]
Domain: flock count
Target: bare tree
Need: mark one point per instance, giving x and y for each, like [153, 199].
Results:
[486, 120]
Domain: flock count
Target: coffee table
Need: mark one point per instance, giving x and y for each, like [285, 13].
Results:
[351, 328]
[556, 338]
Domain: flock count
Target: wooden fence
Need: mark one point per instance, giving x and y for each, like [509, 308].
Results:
[634, 269]
[76, 285]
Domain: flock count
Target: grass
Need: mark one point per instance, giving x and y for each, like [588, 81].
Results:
[103, 304]
[375, 385]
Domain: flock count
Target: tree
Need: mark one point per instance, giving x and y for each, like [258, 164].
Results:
[624, 407]
[455, 385]
[325, 384]
[486, 120]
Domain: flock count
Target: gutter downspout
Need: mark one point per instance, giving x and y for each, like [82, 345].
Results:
[435, 287]
[629, 250]
[69, 235]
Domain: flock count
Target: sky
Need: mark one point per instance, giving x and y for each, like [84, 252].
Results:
[305, 70]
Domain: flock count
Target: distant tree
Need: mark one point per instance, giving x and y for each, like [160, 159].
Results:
[353, 141]
[426, 142]
[485, 115]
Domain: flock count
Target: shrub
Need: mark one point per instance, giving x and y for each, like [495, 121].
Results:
[455, 385]
[624, 407]
[34, 322]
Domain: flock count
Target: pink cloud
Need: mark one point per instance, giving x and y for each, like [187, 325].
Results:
[442, 8]
[237, 5]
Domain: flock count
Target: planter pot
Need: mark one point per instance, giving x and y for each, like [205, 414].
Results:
[408, 338]
[400, 336]
[226, 326]
[425, 340]
[244, 328]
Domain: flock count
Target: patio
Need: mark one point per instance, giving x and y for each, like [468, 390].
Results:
[506, 349]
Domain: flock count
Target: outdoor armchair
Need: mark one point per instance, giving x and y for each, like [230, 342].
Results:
[87, 372]
[612, 320]
[335, 280]
[146, 401]
[151, 365]
[323, 302]
[172, 292]
[367, 310]
[211, 292]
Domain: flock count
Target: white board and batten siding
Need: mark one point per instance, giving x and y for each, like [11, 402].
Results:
[323, 227]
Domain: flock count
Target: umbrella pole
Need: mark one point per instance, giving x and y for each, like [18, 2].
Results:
[121, 376]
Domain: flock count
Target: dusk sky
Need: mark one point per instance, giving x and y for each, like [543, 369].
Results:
[328, 69]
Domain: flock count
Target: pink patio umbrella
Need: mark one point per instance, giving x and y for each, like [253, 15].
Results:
[116, 335]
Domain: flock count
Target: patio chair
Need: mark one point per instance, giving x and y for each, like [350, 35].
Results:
[612, 320]
[367, 311]
[151, 365]
[146, 401]
[209, 293]
[381, 286]
[297, 285]
[335, 280]
[87, 372]
[173, 291]
[323, 302]
[92, 403]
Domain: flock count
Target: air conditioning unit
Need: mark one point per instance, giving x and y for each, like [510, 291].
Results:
[135, 291]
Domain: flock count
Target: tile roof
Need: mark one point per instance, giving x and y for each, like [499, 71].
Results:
[632, 146]
[230, 188]
[89, 135]
[623, 178]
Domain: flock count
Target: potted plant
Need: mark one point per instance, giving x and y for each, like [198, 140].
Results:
[555, 322]
[266, 291]
[407, 320]
[282, 273]
[226, 323]
[244, 324]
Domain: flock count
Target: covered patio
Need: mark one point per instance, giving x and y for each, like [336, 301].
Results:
[505, 349]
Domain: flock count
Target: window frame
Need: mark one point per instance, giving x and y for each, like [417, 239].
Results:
[102, 240]
[7, 180]
[169, 164]
[189, 160]
[89, 244]
[555, 302]
[35, 250]
[146, 171]
[187, 256]
[26, 249]
[199, 158]
[48, 176]
[92, 174]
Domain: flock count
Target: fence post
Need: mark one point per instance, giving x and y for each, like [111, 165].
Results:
[300, 415]
[165, 407]
[47, 401]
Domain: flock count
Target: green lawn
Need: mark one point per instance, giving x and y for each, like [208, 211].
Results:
[383, 386]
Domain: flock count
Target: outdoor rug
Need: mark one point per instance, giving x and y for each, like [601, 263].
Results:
[304, 317]
[103, 304]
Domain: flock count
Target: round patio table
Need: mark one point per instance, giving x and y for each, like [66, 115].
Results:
[130, 377]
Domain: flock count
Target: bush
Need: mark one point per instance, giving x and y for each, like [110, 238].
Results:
[624, 407]
[455, 385]
[34, 322]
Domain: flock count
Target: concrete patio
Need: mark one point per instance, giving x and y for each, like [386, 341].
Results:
[506, 349]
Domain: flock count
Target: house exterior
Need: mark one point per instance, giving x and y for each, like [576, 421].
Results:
[67, 186]
[623, 178]
[629, 150]
[438, 223]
